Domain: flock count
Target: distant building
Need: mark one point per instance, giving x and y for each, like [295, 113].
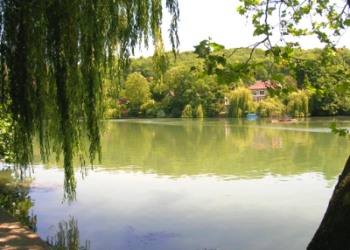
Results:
[259, 90]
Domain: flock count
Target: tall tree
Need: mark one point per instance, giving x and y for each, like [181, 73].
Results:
[182, 83]
[55, 57]
[137, 89]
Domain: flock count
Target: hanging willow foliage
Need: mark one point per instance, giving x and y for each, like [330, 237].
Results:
[199, 112]
[298, 104]
[58, 55]
[187, 112]
[240, 101]
[271, 107]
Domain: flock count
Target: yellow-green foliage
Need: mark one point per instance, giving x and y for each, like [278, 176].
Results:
[240, 101]
[114, 110]
[147, 105]
[114, 113]
[187, 112]
[271, 107]
[6, 135]
[150, 109]
[298, 104]
[137, 89]
[199, 112]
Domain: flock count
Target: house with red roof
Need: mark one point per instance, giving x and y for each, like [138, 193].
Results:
[259, 90]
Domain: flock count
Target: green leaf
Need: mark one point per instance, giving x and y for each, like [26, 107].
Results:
[202, 50]
[276, 51]
[289, 52]
[211, 58]
[273, 92]
[333, 126]
[335, 130]
[258, 65]
[241, 10]
[342, 88]
[347, 22]
[291, 90]
[278, 78]
[216, 46]
[221, 60]
[260, 29]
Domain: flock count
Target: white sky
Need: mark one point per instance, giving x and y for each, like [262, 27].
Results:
[220, 20]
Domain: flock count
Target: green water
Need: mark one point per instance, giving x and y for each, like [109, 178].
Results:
[200, 184]
[226, 148]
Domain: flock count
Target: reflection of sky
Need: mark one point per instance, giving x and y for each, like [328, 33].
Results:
[148, 241]
[123, 210]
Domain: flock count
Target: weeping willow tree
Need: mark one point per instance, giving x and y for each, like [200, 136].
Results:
[240, 101]
[271, 107]
[55, 59]
[187, 112]
[199, 112]
[298, 104]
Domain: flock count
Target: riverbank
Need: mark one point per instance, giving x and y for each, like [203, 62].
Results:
[14, 235]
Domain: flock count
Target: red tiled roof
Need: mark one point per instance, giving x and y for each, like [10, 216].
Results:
[260, 85]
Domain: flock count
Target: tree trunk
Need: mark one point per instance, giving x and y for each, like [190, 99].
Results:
[334, 231]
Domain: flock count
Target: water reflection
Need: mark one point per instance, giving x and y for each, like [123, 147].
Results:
[210, 184]
[14, 196]
[222, 147]
[67, 237]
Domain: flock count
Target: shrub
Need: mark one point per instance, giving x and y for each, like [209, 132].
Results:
[160, 113]
[214, 109]
[133, 112]
[150, 109]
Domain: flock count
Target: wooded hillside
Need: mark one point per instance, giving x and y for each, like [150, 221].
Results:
[182, 85]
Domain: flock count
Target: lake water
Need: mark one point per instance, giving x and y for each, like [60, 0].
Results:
[194, 184]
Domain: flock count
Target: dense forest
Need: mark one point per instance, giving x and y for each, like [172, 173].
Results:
[182, 92]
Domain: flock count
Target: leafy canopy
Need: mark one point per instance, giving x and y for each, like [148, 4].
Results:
[55, 59]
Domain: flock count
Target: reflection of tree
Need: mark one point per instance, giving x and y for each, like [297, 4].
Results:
[224, 147]
[14, 197]
[67, 237]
